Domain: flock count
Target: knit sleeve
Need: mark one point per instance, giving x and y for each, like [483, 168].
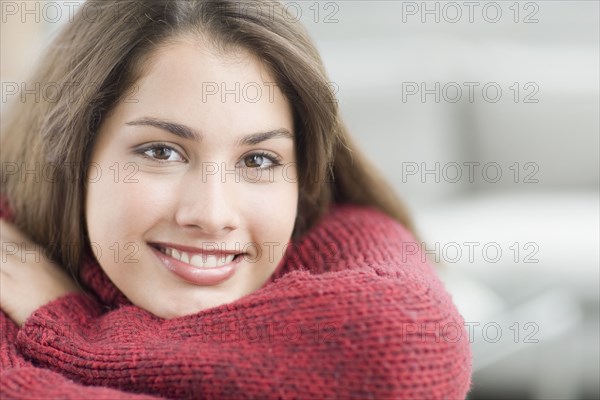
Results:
[38, 383]
[357, 313]
[20, 379]
[9, 355]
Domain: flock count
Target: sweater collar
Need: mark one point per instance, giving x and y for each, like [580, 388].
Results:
[96, 281]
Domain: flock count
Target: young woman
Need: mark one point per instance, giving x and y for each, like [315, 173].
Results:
[224, 236]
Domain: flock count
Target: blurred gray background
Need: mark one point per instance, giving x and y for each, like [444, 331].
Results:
[485, 117]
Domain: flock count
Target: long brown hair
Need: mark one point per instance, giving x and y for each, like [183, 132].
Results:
[95, 62]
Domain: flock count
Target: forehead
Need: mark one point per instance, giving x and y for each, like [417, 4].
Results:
[201, 87]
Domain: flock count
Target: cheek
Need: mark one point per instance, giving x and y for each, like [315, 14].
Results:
[270, 225]
[119, 206]
[272, 212]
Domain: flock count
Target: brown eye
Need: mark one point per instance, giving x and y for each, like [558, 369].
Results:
[260, 161]
[254, 161]
[161, 153]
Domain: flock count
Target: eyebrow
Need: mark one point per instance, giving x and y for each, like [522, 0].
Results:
[186, 132]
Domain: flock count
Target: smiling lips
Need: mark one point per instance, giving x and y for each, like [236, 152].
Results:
[200, 261]
[197, 266]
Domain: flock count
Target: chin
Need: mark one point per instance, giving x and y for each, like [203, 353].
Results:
[189, 309]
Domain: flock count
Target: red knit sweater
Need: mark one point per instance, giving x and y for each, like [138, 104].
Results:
[349, 313]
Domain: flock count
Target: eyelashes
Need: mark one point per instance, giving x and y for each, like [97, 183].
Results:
[163, 153]
[161, 149]
[261, 158]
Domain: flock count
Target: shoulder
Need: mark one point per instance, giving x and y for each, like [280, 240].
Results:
[365, 233]
[355, 213]
[356, 237]
[396, 304]
[362, 223]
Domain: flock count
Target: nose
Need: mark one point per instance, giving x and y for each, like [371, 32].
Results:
[207, 206]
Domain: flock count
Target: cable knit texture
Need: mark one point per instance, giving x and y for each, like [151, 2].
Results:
[349, 313]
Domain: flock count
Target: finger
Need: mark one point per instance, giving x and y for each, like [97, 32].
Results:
[7, 285]
[9, 265]
[10, 232]
[9, 248]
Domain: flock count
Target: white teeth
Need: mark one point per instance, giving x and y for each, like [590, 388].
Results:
[199, 260]
[206, 261]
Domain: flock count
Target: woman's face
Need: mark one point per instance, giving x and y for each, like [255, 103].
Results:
[194, 167]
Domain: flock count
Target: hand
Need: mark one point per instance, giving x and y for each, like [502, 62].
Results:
[28, 280]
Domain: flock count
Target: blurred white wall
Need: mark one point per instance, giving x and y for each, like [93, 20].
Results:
[374, 58]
